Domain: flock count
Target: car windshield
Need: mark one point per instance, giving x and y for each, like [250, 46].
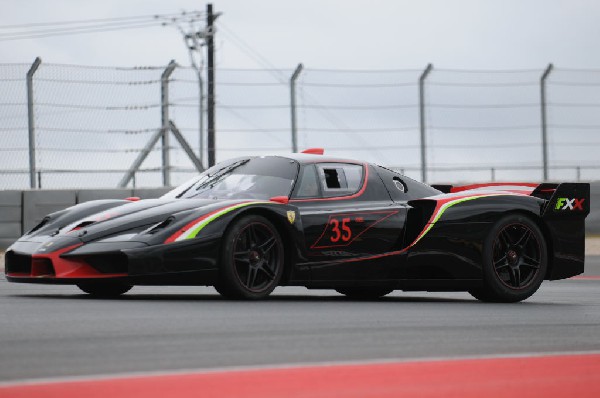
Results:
[252, 178]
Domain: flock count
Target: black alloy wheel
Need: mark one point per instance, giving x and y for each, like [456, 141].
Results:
[516, 256]
[252, 259]
[515, 260]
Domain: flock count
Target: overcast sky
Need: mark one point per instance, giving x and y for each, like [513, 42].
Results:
[333, 34]
[374, 34]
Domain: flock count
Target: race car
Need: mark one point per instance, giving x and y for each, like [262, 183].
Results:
[250, 224]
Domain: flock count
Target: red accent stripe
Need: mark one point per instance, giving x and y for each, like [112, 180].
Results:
[189, 225]
[492, 184]
[197, 220]
[556, 376]
[440, 203]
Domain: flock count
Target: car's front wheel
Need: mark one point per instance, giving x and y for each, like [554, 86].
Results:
[104, 289]
[515, 260]
[252, 259]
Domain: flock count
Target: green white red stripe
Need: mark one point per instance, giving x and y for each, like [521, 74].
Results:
[441, 207]
[192, 229]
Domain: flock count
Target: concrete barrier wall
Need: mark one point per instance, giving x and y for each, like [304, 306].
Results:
[592, 222]
[22, 210]
[11, 217]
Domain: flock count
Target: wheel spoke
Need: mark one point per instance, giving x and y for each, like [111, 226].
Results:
[505, 238]
[515, 276]
[530, 262]
[251, 235]
[242, 257]
[501, 260]
[251, 279]
[268, 245]
[266, 269]
[524, 239]
[501, 266]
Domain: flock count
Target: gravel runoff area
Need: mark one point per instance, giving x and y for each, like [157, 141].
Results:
[592, 248]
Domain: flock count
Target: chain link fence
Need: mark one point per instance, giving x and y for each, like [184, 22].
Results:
[90, 124]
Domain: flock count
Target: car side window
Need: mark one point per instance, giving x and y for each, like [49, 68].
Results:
[339, 179]
[309, 184]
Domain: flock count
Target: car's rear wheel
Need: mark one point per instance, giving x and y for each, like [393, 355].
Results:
[364, 293]
[515, 260]
[252, 259]
[104, 289]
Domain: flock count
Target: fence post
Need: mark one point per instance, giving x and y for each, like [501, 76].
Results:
[493, 172]
[164, 107]
[422, 120]
[293, 106]
[31, 120]
[544, 120]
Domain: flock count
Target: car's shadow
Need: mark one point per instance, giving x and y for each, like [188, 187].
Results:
[276, 298]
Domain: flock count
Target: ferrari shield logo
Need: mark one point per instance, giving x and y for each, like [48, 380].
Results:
[291, 216]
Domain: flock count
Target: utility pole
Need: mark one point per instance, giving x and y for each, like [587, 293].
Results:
[422, 121]
[293, 107]
[544, 120]
[210, 30]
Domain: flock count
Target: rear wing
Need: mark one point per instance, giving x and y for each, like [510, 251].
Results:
[565, 199]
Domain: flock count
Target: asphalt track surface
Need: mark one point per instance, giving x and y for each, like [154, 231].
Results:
[56, 331]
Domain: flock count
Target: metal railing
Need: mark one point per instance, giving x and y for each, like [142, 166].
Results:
[87, 126]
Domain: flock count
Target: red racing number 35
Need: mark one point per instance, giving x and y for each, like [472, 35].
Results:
[345, 233]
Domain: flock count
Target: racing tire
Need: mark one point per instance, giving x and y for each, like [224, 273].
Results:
[104, 289]
[364, 293]
[252, 259]
[515, 260]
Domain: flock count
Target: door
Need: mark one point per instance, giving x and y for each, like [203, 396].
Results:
[347, 216]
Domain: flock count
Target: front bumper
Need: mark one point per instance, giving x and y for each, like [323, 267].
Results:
[190, 262]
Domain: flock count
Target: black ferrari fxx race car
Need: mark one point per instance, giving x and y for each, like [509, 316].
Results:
[248, 225]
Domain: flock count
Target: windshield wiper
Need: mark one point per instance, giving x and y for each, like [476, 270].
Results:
[216, 176]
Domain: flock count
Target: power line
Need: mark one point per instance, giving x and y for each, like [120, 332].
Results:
[91, 26]
[82, 21]
[82, 31]
[283, 79]
[100, 82]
